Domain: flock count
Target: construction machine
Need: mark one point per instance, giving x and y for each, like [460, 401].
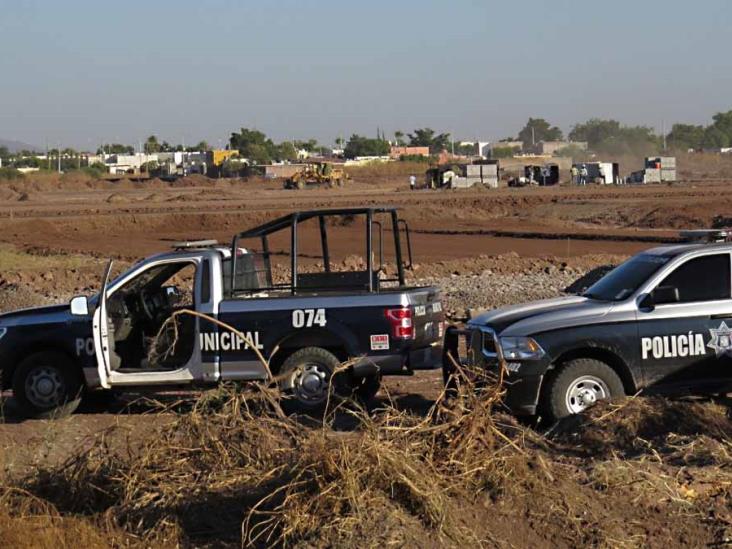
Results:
[317, 174]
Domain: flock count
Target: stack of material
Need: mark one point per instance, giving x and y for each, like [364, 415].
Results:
[486, 174]
[665, 166]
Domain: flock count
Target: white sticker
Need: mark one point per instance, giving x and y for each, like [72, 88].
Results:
[420, 310]
[379, 342]
[307, 318]
[437, 307]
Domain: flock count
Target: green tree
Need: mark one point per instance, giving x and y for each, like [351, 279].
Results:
[719, 133]
[199, 147]
[4, 153]
[254, 145]
[116, 148]
[685, 136]
[152, 145]
[311, 145]
[538, 129]
[399, 138]
[285, 151]
[467, 149]
[426, 137]
[504, 152]
[365, 146]
[609, 137]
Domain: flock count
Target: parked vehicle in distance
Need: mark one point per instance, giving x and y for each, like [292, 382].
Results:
[304, 317]
[660, 322]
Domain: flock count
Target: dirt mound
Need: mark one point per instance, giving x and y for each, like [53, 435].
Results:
[630, 428]
[117, 198]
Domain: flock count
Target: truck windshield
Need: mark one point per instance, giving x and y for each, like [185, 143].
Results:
[626, 278]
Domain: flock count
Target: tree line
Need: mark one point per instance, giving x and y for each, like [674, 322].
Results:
[606, 136]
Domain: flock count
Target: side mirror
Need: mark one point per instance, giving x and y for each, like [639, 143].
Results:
[647, 303]
[666, 294]
[79, 306]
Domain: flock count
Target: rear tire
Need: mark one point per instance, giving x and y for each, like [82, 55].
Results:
[309, 378]
[578, 384]
[47, 385]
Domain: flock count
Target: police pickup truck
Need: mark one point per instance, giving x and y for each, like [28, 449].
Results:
[305, 323]
[661, 321]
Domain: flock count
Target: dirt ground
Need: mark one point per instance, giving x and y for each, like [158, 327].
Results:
[667, 484]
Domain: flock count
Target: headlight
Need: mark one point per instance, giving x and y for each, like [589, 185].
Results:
[521, 348]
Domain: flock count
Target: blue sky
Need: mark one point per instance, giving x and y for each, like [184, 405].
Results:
[79, 72]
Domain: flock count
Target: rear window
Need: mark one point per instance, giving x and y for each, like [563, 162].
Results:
[704, 278]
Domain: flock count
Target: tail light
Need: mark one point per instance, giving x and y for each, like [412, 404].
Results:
[401, 323]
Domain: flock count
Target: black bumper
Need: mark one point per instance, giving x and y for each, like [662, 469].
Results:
[404, 363]
[522, 391]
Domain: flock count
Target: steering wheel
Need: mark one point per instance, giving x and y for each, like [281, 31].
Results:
[147, 308]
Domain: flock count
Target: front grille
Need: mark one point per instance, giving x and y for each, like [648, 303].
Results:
[489, 344]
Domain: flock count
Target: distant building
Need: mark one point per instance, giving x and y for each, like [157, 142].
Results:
[397, 152]
[550, 148]
[219, 156]
[480, 148]
[518, 145]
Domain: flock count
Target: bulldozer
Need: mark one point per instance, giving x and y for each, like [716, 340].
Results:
[317, 174]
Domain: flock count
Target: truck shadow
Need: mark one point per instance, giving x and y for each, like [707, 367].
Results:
[343, 417]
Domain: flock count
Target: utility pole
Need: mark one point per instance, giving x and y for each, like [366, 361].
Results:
[58, 155]
[663, 132]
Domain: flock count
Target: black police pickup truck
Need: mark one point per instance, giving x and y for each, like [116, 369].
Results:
[304, 316]
[661, 321]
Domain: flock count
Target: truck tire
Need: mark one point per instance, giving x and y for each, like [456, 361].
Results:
[578, 384]
[309, 380]
[47, 385]
[367, 387]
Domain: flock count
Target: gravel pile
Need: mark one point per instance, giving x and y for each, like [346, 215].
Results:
[464, 295]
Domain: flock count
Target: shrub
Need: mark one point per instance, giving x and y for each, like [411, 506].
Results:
[10, 173]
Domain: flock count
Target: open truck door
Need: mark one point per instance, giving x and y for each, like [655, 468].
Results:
[100, 328]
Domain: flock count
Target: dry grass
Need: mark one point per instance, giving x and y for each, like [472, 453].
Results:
[234, 470]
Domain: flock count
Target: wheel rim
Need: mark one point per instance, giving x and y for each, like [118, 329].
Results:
[45, 387]
[585, 391]
[310, 383]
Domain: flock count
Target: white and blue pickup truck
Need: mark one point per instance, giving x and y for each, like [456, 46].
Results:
[304, 324]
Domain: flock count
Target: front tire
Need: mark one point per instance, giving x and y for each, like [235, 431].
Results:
[310, 377]
[47, 385]
[578, 385]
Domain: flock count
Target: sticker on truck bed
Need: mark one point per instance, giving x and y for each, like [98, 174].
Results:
[380, 342]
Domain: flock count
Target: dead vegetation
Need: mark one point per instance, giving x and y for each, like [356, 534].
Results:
[234, 470]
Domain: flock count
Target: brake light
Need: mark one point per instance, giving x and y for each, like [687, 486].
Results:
[401, 322]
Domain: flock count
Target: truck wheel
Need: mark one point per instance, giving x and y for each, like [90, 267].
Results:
[367, 387]
[308, 377]
[47, 385]
[579, 384]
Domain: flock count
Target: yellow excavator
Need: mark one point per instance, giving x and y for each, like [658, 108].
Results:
[317, 174]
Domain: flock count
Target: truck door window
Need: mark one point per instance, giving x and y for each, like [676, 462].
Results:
[705, 278]
[138, 309]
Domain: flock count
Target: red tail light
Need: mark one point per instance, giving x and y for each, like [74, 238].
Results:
[401, 322]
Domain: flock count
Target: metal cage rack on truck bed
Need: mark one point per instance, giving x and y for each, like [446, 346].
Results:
[366, 281]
